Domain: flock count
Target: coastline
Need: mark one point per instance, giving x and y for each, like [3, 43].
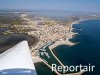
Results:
[67, 41]
[50, 34]
[69, 34]
[82, 21]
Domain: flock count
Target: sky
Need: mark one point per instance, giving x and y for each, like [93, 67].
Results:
[70, 5]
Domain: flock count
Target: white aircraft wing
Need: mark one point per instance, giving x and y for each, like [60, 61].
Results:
[17, 61]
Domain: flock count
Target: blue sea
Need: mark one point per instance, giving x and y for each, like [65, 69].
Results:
[88, 48]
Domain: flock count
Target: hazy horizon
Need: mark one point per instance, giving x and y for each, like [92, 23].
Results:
[67, 5]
